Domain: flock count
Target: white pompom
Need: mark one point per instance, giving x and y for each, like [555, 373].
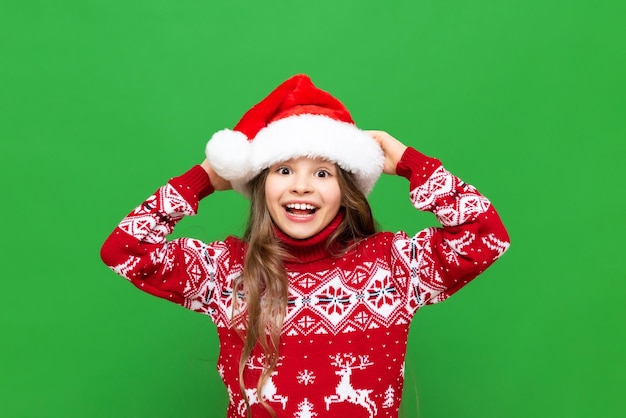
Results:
[229, 154]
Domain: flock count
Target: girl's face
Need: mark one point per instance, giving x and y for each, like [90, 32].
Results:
[302, 195]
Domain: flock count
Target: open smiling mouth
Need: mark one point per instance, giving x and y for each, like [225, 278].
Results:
[300, 209]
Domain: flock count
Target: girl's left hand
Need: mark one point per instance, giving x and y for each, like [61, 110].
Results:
[392, 148]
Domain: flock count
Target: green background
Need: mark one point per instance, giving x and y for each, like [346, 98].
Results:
[102, 101]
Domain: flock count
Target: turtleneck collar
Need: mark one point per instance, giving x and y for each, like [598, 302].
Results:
[309, 249]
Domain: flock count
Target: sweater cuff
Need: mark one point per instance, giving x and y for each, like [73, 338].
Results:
[193, 185]
[415, 166]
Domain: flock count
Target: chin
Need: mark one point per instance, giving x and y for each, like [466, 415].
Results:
[296, 234]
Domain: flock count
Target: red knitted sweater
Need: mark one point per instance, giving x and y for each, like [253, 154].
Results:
[344, 337]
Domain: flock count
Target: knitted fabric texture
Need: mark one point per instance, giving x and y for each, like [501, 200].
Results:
[344, 337]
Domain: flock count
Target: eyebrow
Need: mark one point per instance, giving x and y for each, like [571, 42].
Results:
[321, 164]
[327, 166]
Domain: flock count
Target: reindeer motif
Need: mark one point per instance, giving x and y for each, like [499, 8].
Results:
[344, 392]
[268, 392]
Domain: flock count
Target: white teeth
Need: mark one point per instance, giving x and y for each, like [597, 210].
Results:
[300, 206]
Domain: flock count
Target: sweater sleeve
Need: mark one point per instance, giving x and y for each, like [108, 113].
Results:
[436, 262]
[185, 271]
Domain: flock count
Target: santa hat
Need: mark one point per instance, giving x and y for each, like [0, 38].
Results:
[295, 120]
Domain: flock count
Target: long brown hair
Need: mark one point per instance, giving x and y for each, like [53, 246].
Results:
[264, 280]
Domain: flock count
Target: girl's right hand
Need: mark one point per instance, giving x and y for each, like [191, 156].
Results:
[217, 182]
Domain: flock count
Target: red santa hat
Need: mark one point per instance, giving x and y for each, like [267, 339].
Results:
[297, 119]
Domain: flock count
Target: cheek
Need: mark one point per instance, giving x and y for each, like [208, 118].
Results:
[274, 190]
[271, 201]
[271, 207]
[333, 196]
[271, 190]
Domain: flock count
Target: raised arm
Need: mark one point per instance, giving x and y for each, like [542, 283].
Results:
[437, 262]
[184, 270]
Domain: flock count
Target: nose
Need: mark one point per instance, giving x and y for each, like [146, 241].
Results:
[301, 184]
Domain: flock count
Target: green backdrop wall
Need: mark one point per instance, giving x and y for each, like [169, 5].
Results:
[102, 101]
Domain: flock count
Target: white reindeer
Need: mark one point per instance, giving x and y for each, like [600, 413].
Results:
[344, 392]
[268, 391]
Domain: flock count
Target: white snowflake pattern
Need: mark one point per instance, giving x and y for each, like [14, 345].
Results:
[220, 370]
[305, 377]
[230, 395]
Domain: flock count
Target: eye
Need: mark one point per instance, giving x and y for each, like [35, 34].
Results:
[322, 173]
[283, 170]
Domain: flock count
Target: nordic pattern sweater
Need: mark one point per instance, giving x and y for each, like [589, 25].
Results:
[344, 337]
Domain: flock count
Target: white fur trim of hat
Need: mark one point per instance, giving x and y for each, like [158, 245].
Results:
[296, 120]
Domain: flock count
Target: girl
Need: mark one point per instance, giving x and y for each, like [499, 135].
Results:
[312, 305]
